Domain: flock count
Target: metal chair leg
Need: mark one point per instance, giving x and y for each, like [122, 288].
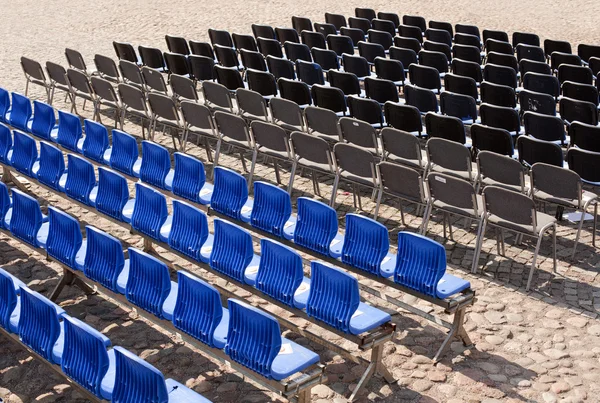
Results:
[554, 248]
[426, 217]
[533, 262]
[250, 177]
[277, 176]
[292, 177]
[336, 182]
[379, 196]
[595, 222]
[243, 161]
[26, 87]
[478, 244]
[581, 220]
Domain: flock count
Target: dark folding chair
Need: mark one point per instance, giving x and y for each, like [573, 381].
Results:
[287, 114]
[154, 80]
[325, 29]
[164, 111]
[220, 37]
[227, 57]
[460, 106]
[217, 96]
[585, 136]
[581, 92]
[461, 85]
[366, 13]
[297, 51]
[558, 58]
[233, 131]
[230, 77]
[347, 82]
[383, 25]
[34, 74]
[525, 38]
[439, 35]
[313, 39]
[438, 47]
[467, 29]
[262, 82]
[467, 69]
[107, 68]
[370, 51]
[500, 59]
[106, 95]
[273, 142]
[586, 164]
[537, 102]
[357, 23]
[79, 86]
[76, 61]
[407, 43]
[497, 35]
[587, 51]
[243, 41]
[544, 83]
[198, 121]
[312, 153]
[572, 110]
[551, 46]
[437, 60]
[202, 49]
[253, 60]
[327, 59]
[502, 75]
[446, 127]
[381, 90]
[404, 56]
[269, 47]
[331, 98]
[425, 77]
[356, 65]
[202, 67]
[367, 110]
[529, 52]
[529, 66]
[301, 24]
[284, 35]
[310, 73]
[340, 44]
[357, 35]
[183, 87]
[337, 20]
[421, 98]
[134, 103]
[390, 69]
[594, 65]
[467, 39]
[296, 91]
[494, 139]
[532, 151]
[544, 127]
[493, 45]
[263, 31]
[499, 95]
[281, 68]
[410, 31]
[502, 117]
[382, 38]
[322, 123]
[403, 117]
[177, 44]
[577, 74]
[356, 166]
[393, 17]
[415, 21]
[402, 148]
[126, 51]
[177, 63]
[360, 133]
[152, 57]
[251, 104]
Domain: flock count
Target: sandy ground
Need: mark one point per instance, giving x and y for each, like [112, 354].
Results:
[541, 346]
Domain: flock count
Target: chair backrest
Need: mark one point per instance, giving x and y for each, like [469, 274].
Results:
[26, 217]
[543, 83]
[20, 111]
[467, 52]
[6, 142]
[226, 56]
[85, 359]
[383, 38]
[356, 161]
[295, 91]
[316, 225]
[104, 90]
[438, 35]
[4, 103]
[333, 296]
[389, 16]
[154, 80]
[390, 69]
[401, 181]
[532, 150]
[232, 250]
[356, 34]
[230, 192]
[43, 120]
[369, 110]
[220, 37]
[531, 53]
[39, 326]
[79, 82]
[537, 102]
[497, 46]
[281, 68]
[189, 177]
[406, 55]
[24, 153]
[177, 44]
[230, 77]
[494, 139]
[557, 182]
[499, 74]
[5, 203]
[297, 51]
[510, 206]
[64, 237]
[148, 284]
[585, 163]
[453, 191]
[366, 242]
[446, 127]
[164, 107]
[381, 90]
[251, 104]
[183, 87]
[201, 49]
[310, 73]
[585, 136]
[437, 60]
[96, 140]
[151, 57]
[578, 74]
[581, 92]
[499, 95]
[501, 169]
[337, 20]
[313, 39]
[439, 48]
[253, 60]
[449, 156]
[69, 130]
[526, 38]
[325, 58]
[156, 163]
[403, 117]
[8, 297]
[232, 127]
[530, 66]
[56, 73]
[284, 35]
[124, 152]
[125, 51]
[327, 97]
[150, 210]
[499, 116]
[410, 31]
[301, 24]
[189, 229]
[269, 47]
[202, 67]
[421, 98]
[286, 113]
[467, 69]
[544, 127]
[254, 337]
[420, 263]
[360, 133]
[263, 31]
[551, 46]
[113, 193]
[279, 272]
[198, 309]
[347, 82]
[424, 76]
[216, 95]
[366, 13]
[459, 106]
[81, 179]
[588, 51]
[325, 29]
[572, 110]
[558, 58]
[311, 149]
[33, 69]
[136, 380]
[133, 98]
[467, 39]
[270, 138]
[400, 145]
[104, 258]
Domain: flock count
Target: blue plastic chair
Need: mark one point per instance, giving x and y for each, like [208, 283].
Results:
[85, 359]
[102, 260]
[254, 341]
[148, 283]
[149, 211]
[366, 243]
[10, 304]
[134, 380]
[112, 197]
[156, 164]
[124, 154]
[95, 142]
[316, 226]
[4, 105]
[20, 112]
[39, 325]
[5, 203]
[51, 166]
[271, 210]
[24, 153]
[421, 266]
[80, 180]
[232, 251]
[43, 121]
[25, 220]
[186, 231]
[230, 193]
[64, 237]
[279, 272]
[198, 311]
[69, 131]
[189, 179]
[5, 143]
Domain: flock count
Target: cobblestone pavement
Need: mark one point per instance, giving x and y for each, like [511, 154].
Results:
[537, 346]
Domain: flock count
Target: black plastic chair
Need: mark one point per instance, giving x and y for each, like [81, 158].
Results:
[177, 44]
[494, 34]
[421, 98]
[499, 95]
[217, 97]
[322, 123]
[460, 106]
[585, 163]
[262, 82]
[337, 20]
[467, 69]
[202, 49]
[393, 17]
[390, 69]
[126, 51]
[410, 31]
[313, 39]
[310, 73]
[297, 51]
[382, 38]
[358, 23]
[493, 45]
[577, 74]
[327, 59]
[446, 127]
[467, 39]
[551, 46]
[404, 56]
[263, 31]
[408, 43]
[154, 80]
[594, 65]
[381, 90]
[529, 52]
[501, 117]
[130, 72]
[281, 68]
[287, 114]
[572, 110]
[357, 35]
[544, 83]
[438, 47]
[284, 35]
[532, 151]
[183, 87]
[220, 37]
[384, 25]
[253, 60]
[243, 41]
[494, 139]
[325, 29]
[340, 44]
[403, 117]
[437, 60]
[230, 77]
[269, 47]
[581, 92]
[461, 85]
[296, 91]
[439, 35]
[415, 21]
[503, 60]
[585, 136]
[558, 58]
[366, 13]
[107, 68]
[356, 65]
[525, 38]
[202, 67]
[446, 26]
[227, 57]
[530, 66]
[251, 104]
[502, 75]
[467, 29]
[331, 98]
[544, 127]
[360, 133]
[301, 24]
[588, 51]
[537, 102]
[177, 63]
[347, 82]
[152, 57]
[425, 77]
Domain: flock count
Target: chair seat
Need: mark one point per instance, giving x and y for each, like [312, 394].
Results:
[128, 210]
[108, 382]
[42, 235]
[137, 165]
[336, 245]
[246, 212]
[93, 196]
[366, 318]
[468, 212]
[169, 304]
[13, 323]
[79, 145]
[251, 270]
[170, 175]
[123, 277]
[206, 193]
[360, 180]
[292, 358]
[450, 285]
[80, 256]
[106, 156]
[59, 346]
[179, 393]
[62, 181]
[206, 248]
[165, 230]
[290, 227]
[301, 294]
[574, 203]
[466, 175]
[543, 220]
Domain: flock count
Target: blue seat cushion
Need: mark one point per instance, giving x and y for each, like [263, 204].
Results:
[165, 230]
[289, 228]
[80, 256]
[42, 235]
[169, 180]
[252, 270]
[169, 304]
[108, 382]
[62, 181]
[206, 193]
[366, 318]
[336, 245]
[137, 165]
[106, 156]
[179, 393]
[128, 210]
[301, 294]
[206, 248]
[13, 323]
[123, 277]
[450, 285]
[292, 358]
[220, 335]
[93, 196]
[59, 346]
[246, 212]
